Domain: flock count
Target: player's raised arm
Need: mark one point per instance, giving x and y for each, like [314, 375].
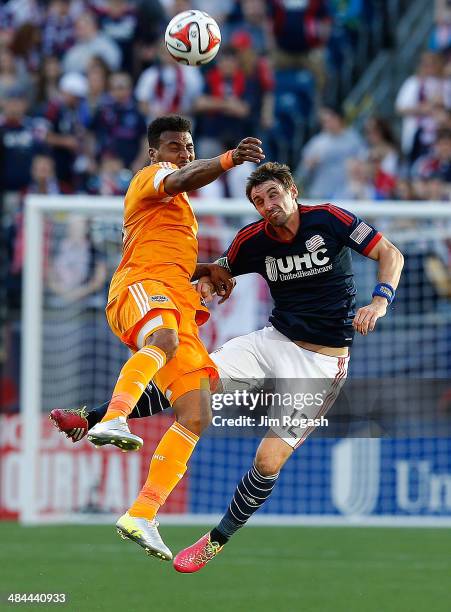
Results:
[390, 263]
[201, 172]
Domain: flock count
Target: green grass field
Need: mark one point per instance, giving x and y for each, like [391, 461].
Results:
[263, 569]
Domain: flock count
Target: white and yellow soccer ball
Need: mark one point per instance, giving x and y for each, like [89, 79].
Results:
[192, 38]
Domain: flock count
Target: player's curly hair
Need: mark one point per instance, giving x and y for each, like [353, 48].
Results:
[271, 171]
[167, 123]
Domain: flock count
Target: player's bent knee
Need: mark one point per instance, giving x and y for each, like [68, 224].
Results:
[193, 411]
[267, 465]
[165, 339]
[197, 423]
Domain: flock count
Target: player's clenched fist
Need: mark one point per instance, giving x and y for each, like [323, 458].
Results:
[205, 288]
[366, 317]
[217, 280]
[249, 149]
[222, 281]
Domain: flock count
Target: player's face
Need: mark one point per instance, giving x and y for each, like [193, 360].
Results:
[274, 203]
[175, 147]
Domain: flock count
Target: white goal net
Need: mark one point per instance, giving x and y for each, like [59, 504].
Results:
[390, 463]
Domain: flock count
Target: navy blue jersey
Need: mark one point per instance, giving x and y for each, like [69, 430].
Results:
[310, 277]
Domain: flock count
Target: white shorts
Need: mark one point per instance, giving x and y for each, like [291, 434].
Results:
[306, 383]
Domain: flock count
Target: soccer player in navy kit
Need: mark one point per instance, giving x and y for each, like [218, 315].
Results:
[304, 255]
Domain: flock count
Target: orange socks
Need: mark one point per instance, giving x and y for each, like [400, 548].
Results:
[167, 467]
[133, 379]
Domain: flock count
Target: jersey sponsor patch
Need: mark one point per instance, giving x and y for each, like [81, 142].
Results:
[360, 232]
[271, 268]
[158, 298]
[314, 243]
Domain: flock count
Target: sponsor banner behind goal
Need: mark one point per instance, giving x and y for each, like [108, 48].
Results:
[80, 478]
[353, 478]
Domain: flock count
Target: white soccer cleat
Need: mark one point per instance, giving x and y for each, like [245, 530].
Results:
[115, 432]
[145, 533]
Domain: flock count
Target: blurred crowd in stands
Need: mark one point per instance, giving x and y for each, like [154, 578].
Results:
[80, 79]
[403, 157]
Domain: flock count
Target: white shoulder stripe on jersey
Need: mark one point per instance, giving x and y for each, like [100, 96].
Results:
[160, 176]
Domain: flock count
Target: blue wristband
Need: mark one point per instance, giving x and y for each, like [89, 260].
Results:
[384, 290]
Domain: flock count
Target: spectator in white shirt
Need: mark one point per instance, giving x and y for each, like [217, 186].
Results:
[419, 101]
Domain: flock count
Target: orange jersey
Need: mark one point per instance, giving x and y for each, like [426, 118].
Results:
[159, 233]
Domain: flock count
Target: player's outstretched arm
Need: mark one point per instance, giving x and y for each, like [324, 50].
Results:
[201, 172]
[390, 264]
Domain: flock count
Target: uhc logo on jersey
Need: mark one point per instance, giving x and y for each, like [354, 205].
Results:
[298, 266]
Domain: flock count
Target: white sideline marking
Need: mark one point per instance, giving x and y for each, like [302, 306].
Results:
[288, 520]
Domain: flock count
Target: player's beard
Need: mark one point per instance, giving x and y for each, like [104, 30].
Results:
[278, 218]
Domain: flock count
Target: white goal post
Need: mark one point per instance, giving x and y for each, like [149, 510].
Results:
[400, 221]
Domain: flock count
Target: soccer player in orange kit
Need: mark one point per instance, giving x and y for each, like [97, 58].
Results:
[154, 309]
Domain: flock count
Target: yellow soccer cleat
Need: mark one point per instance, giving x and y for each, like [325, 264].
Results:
[115, 432]
[145, 533]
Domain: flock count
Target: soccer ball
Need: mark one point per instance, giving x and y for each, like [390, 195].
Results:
[193, 38]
